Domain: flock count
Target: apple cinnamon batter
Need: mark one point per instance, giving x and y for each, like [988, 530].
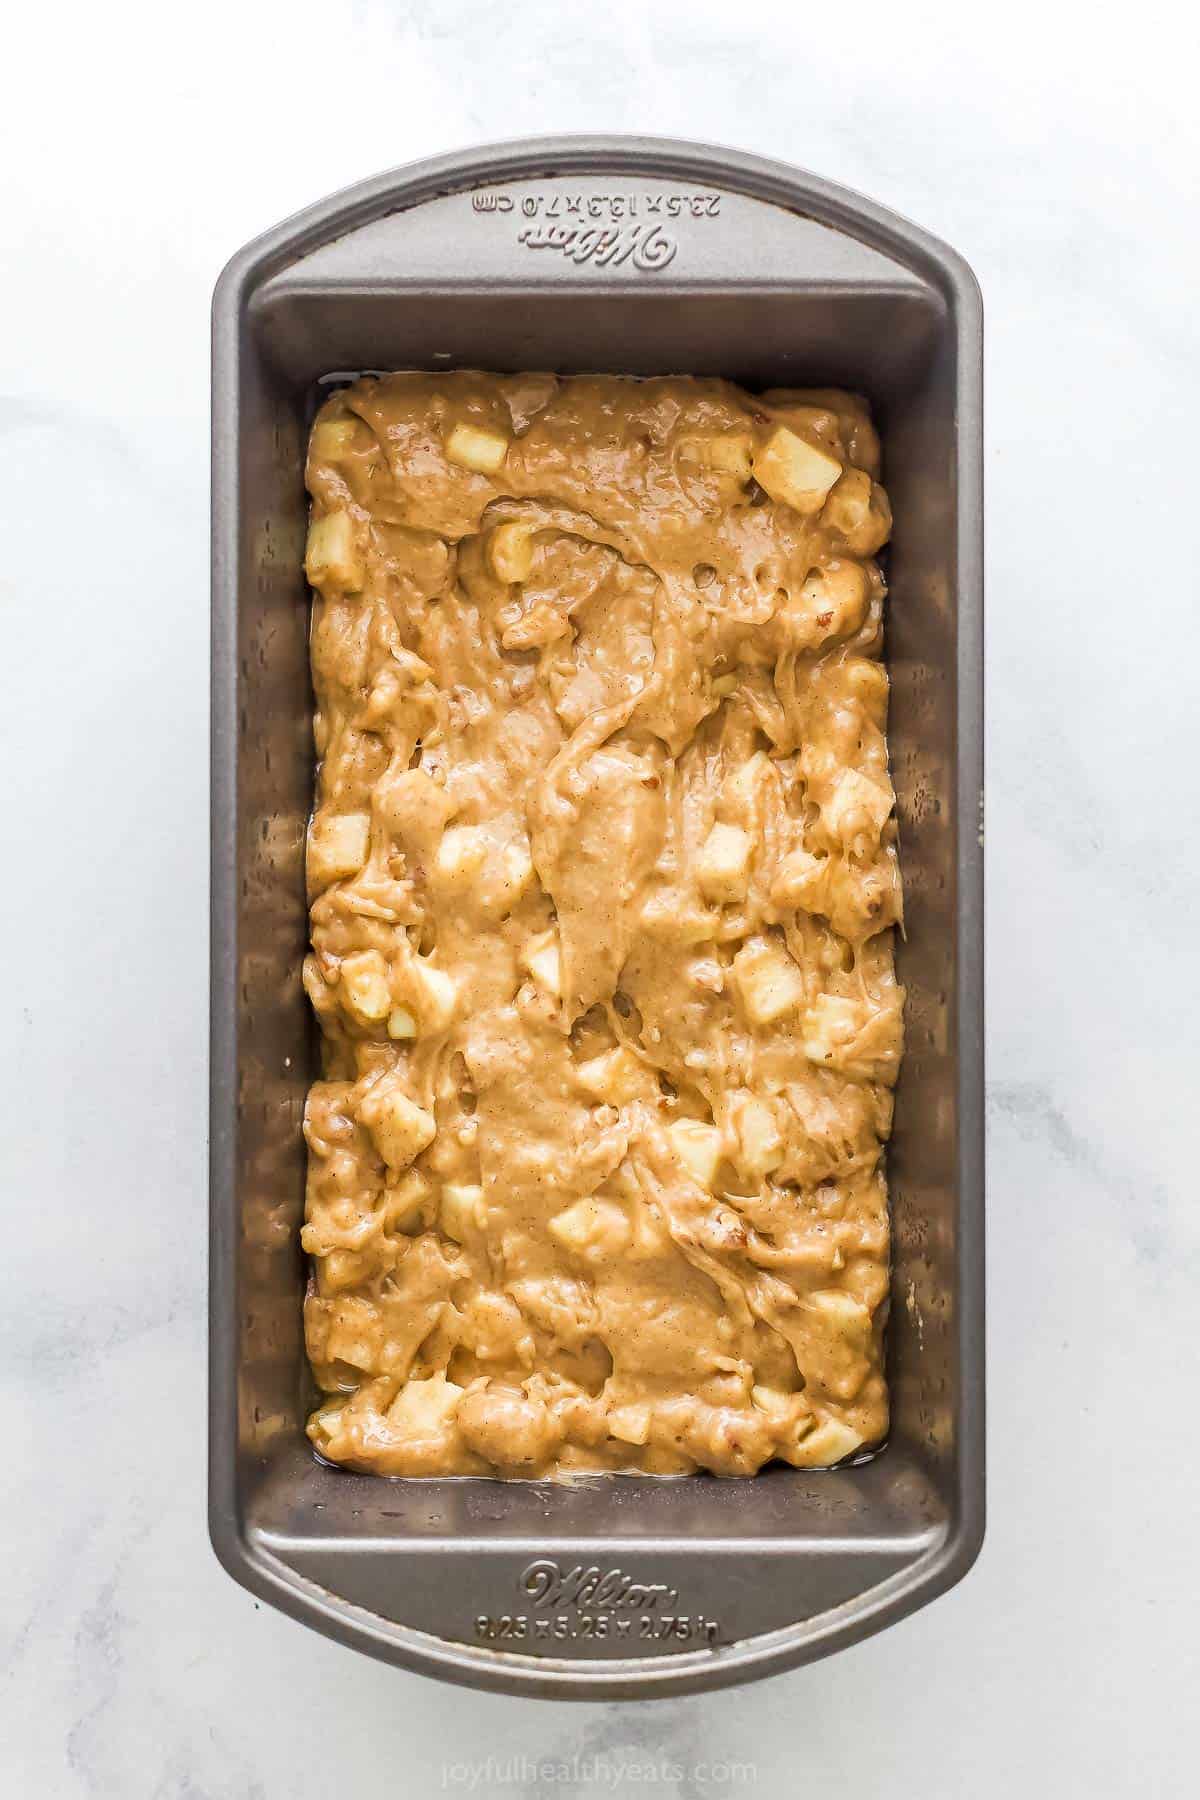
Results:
[603, 880]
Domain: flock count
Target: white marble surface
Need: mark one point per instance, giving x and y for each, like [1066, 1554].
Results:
[1055, 147]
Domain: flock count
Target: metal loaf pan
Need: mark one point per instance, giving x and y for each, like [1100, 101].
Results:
[636, 256]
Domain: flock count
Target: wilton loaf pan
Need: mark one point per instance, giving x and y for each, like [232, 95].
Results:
[635, 256]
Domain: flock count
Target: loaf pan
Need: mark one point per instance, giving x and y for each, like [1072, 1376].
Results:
[640, 257]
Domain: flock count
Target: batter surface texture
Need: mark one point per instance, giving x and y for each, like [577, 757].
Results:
[603, 882]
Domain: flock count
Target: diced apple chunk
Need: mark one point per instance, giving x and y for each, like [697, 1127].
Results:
[798, 881]
[424, 1408]
[516, 875]
[399, 1127]
[332, 557]
[461, 1210]
[760, 1146]
[404, 1202]
[723, 863]
[795, 471]
[542, 960]
[401, 1024]
[326, 1422]
[699, 1148]
[337, 847]
[462, 853]
[630, 1424]
[436, 995]
[413, 805]
[614, 1077]
[473, 447]
[768, 982]
[827, 1444]
[510, 551]
[672, 914]
[591, 1226]
[858, 807]
[830, 1027]
[469, 860]
[363, 983]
